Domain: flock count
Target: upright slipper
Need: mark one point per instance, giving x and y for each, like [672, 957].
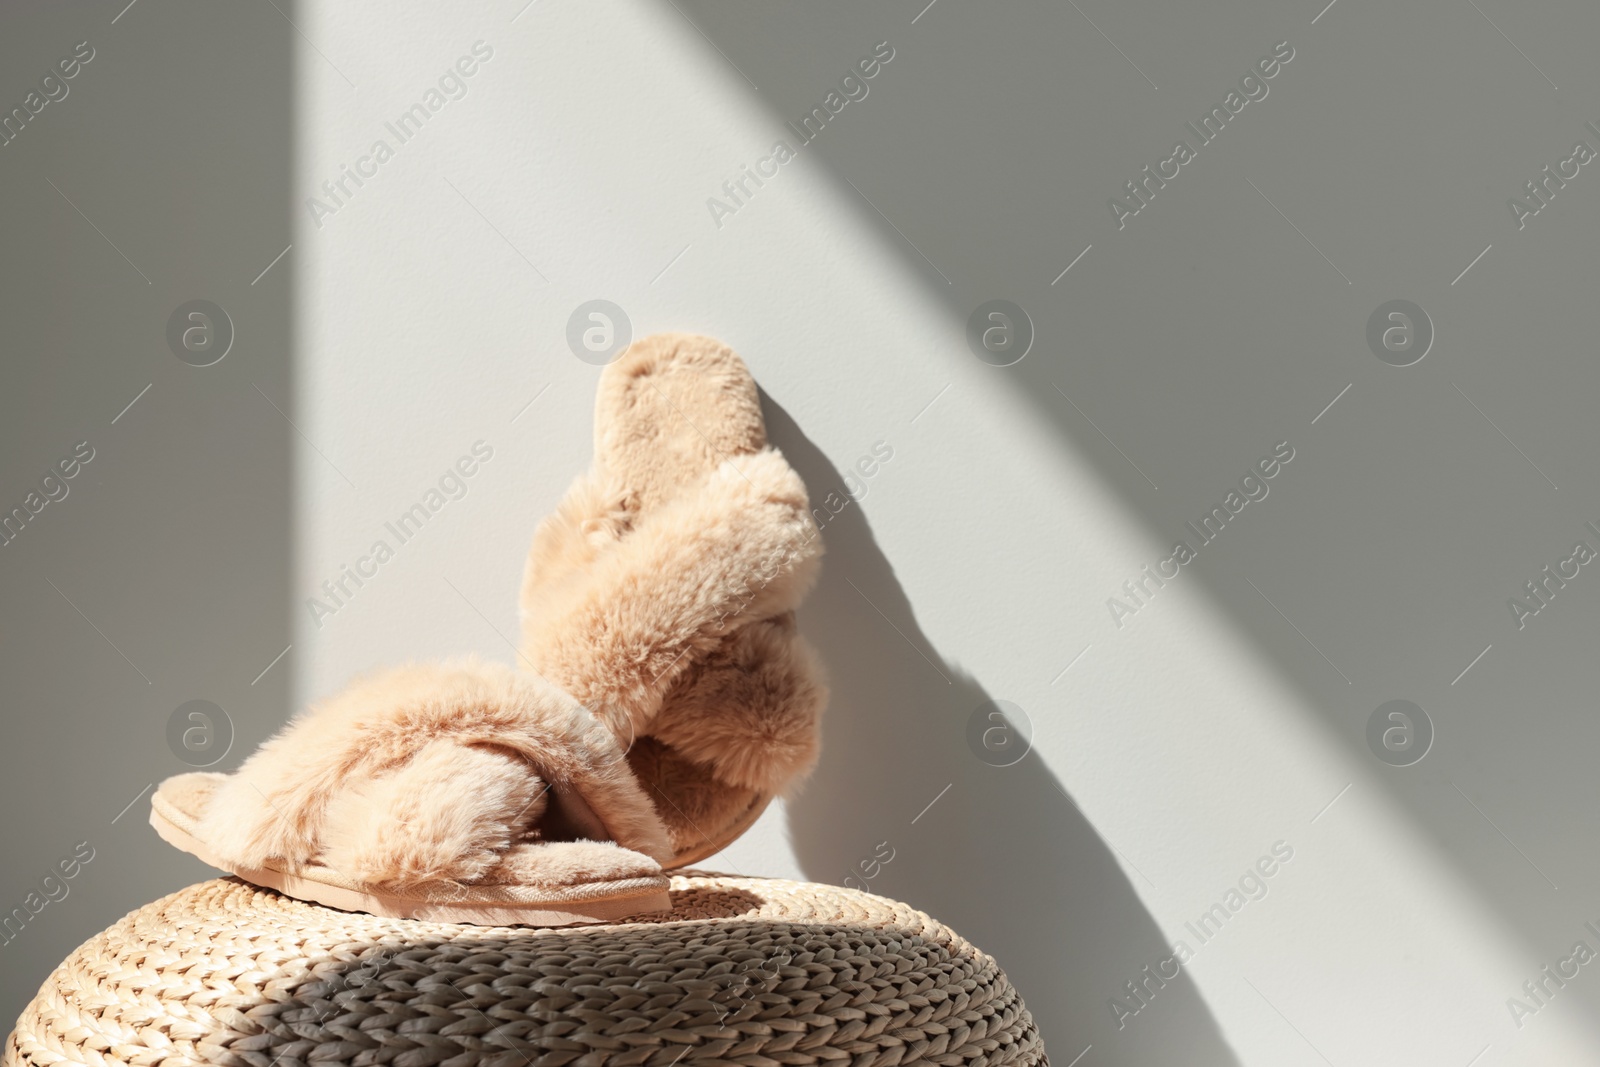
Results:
[729, 709]
[672, 697]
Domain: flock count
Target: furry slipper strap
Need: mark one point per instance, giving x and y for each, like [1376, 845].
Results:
[740, 547]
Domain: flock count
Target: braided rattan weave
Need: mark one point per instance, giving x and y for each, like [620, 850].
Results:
[749, 971]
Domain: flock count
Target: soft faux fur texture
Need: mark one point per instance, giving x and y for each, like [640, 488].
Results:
[430, 774]
[669, 694]
[688, 574]
[682, 469]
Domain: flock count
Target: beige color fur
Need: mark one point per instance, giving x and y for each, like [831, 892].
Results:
[671, 410]
[729, 686]
[424, 774]
[749, 708]
[688, 574]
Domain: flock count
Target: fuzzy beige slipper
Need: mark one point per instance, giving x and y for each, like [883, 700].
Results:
[628, 884]
[729, 709]
[464, 792]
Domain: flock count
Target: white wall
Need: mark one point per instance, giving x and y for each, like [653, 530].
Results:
[1204, 730]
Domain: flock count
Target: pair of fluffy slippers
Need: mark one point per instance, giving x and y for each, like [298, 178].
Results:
[661, 698]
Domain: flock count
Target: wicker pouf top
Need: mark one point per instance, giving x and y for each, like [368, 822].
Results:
[752, 971]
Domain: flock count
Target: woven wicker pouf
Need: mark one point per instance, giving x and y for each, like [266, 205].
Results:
[752, 971]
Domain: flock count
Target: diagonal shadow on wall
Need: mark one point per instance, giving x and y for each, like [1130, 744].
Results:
[1001, 853]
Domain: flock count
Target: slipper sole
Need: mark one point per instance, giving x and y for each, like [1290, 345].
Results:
[730, 833]
[482, 905]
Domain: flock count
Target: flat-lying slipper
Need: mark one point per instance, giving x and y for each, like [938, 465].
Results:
[462, 793]
[177, 808]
